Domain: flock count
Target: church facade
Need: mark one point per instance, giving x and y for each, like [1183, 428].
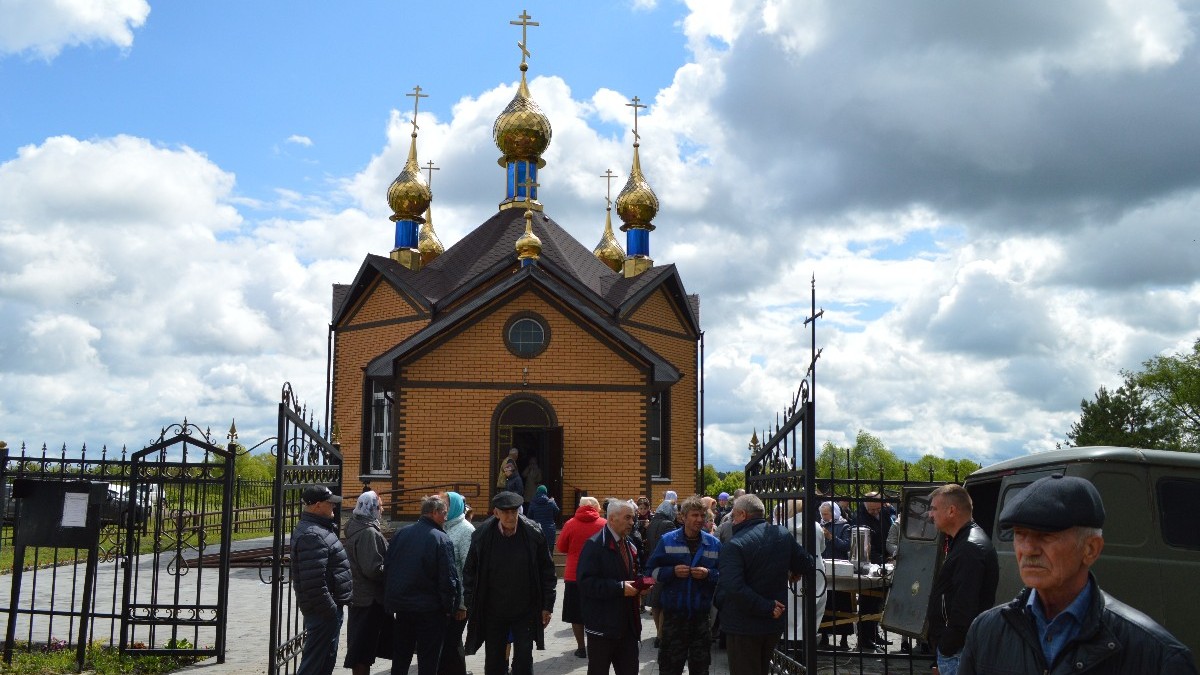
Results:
[516, 336]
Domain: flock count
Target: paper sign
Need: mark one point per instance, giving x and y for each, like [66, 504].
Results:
[75, 509]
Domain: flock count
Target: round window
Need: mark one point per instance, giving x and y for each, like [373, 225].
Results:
[526, 336]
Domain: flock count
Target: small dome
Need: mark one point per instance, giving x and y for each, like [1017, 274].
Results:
[409, 195]
[428, 243]
[528, 246]
[522, 131]
[637, 204]
[608, 250]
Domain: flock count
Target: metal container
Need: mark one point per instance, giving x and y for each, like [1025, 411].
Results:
[860, 547]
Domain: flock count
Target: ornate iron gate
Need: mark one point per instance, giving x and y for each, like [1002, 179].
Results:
[780, 473]
[180, 494]
[303, 457]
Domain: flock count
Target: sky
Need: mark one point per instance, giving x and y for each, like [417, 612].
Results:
[997, 201]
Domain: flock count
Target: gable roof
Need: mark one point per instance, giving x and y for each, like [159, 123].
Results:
[662, 372]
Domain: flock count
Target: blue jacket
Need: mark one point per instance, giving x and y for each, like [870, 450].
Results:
[837, 548]
[421, 574]
[755, 565]
[544, 512]
[685, 595]
[321, 574]
[601, 576]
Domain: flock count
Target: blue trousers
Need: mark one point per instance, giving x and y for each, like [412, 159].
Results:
[421, 633]
[321, 635]
[947, 665]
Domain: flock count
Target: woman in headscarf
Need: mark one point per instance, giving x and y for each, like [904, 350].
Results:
[544, 511]
[369, 629]
[453, 660]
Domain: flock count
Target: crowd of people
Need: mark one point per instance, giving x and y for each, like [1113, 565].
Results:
[702, 567]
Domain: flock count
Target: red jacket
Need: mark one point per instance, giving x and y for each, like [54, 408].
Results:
[575, 532]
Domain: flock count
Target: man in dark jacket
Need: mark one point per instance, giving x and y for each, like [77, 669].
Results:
[1062, 622]
[608, 577]
[422, 588]
[321, 579]
[509, 587]
[877, 516]
[752, 591]
[966, 582]
[685, 567]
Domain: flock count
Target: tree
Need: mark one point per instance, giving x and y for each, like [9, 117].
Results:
[1173, 383]
[1126, 417]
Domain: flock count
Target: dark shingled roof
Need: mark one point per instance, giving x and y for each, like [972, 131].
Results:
[488, 249]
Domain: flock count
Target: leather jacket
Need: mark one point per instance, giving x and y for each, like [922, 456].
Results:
[1114, 638]
[965, 586]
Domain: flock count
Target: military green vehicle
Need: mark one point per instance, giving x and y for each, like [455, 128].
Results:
[1151, 557]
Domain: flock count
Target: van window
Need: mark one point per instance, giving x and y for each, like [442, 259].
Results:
[983, 504]
[916, 519]
[1010, 491]
[1178, 503]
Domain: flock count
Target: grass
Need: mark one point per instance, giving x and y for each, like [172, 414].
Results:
[59, 657]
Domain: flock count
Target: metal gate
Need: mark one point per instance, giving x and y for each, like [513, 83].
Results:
[303, 457]
[780, 473]
[180, 495]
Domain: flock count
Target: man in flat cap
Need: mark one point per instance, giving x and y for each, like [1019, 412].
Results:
[509, 587]
[1062, 622]
[321, 579]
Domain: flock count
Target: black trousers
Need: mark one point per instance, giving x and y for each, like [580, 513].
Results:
[619, 653]
[454, 657]
[750, 654]
[420, 632]
[686, 640]
[495, 640]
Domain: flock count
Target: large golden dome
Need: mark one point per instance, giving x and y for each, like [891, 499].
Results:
[522, 131]
[409, 195]
[637, 204]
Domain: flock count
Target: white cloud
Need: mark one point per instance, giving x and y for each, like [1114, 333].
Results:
[46, 27]
[300, 140]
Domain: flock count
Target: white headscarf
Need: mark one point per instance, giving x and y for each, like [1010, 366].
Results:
[368, 506]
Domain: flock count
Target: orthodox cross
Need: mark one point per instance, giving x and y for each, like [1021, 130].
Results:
[417, 96]
[635, 105]
[527, 184]
[431, 168]
[608, 178]
[524, 23]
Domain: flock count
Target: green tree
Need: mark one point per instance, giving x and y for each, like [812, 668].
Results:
[1173, 383]
[259, 466]
[1127, 417]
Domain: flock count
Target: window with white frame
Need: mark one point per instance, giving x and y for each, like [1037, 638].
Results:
[379, 460]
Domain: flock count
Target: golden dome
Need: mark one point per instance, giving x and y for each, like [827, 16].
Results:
[608, 250]
[528, 246]
[409, 195]
[637, 204]
[427, 241]
[522, 131]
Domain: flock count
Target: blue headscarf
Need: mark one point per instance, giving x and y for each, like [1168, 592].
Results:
[456, 507]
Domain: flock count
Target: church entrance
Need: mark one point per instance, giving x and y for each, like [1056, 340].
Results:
[527, 422]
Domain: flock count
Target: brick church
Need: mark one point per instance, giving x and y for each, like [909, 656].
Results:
[517, 336]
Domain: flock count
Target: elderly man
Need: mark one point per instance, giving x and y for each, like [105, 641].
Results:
[752, 592]
[321, 578]
[509, 587]
[422, 588]
[1063, 622]
[684, 564]
[609, 582]
[966, 582]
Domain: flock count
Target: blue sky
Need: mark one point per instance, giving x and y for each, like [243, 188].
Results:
[997, 201]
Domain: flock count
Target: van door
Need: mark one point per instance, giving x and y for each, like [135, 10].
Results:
[917, 558]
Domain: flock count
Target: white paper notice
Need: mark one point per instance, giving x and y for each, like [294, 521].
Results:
[75, 509]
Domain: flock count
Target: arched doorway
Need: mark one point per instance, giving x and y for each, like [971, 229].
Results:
[528, 423]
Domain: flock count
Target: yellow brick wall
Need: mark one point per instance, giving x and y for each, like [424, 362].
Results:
[683, 399]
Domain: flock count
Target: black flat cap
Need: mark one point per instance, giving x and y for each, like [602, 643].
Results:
[507, 500]
[314, 494]
[1053, 504]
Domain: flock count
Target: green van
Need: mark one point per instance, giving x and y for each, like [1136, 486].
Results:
[1151, 557]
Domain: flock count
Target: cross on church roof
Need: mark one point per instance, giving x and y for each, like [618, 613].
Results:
[431, 168]
[524, 23]
[608, 178]
[635, 105]
[417, 96]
